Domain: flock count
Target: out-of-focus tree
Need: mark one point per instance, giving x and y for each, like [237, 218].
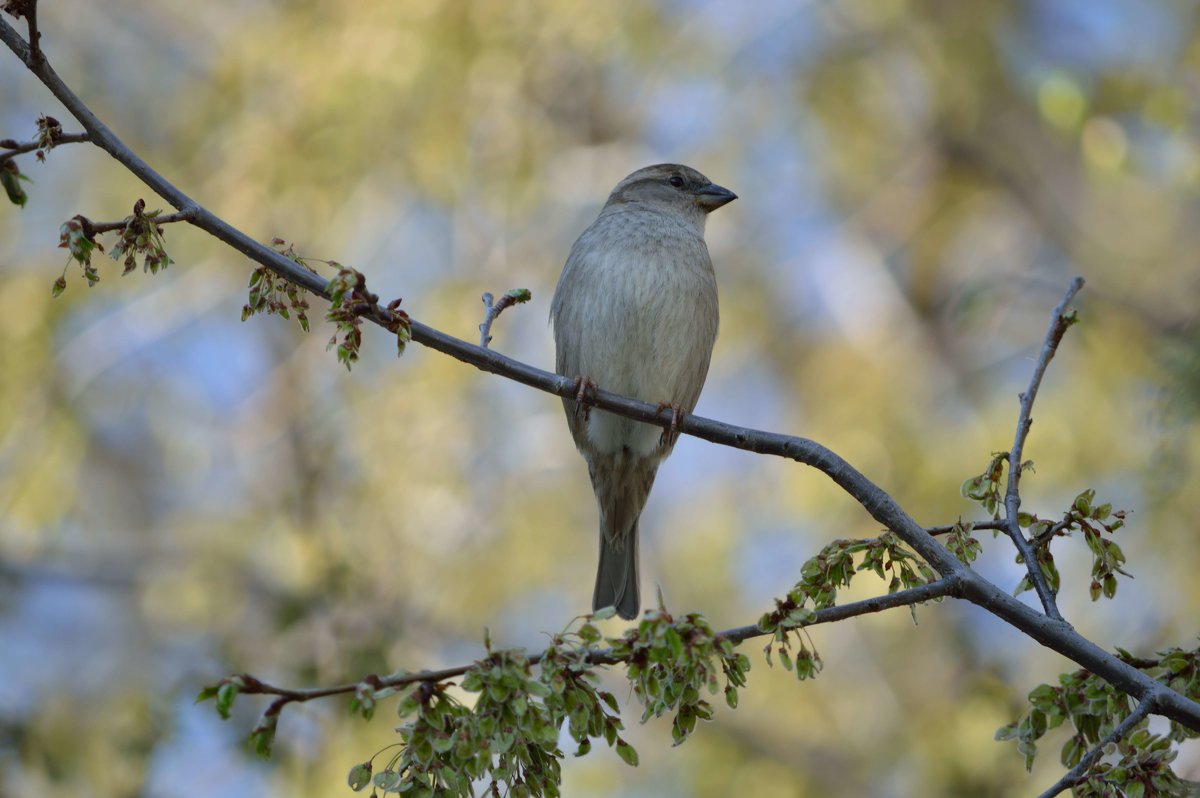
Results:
[184, 496]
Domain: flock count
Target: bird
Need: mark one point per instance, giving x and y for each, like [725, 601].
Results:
[635, 312]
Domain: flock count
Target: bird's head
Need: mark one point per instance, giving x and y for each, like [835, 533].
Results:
[671, 186]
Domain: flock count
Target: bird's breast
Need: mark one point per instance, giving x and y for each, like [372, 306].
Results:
[644, 303]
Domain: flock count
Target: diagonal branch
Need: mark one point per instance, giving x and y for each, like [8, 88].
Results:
[1051, 632]
[1077, 773]
[1060, 320]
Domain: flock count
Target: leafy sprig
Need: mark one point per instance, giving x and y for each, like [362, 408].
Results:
[349, 302]
[1096, 521]
[671, 663]
[273, 295]
[1138, 764]
[142, 235]
[821, 577]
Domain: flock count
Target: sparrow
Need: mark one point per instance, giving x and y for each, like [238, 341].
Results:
[635, 313]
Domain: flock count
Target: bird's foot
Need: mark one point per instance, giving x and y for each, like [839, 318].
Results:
[670, 431]
[585, 396]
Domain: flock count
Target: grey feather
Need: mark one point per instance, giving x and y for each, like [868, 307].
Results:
[636, 312]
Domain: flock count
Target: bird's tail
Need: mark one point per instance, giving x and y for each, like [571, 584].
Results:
[617, 576]
[622, 484]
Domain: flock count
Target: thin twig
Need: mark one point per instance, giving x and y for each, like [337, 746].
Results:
[1059, 322]
[13, 148]
[946, 529]
[167, 218]
[27, 9]
[1049, 632]
[509, 298]
[1122, 730]
[1049, 534]
[604, 656]
[35, 38]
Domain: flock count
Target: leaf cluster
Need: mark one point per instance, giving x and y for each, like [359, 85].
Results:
[140, 234]
[1097, 522]
[274, 295]
[673, 662]
[820, 579]
[509, 737]
[1138, 764]
[49, 135]
[349, 301]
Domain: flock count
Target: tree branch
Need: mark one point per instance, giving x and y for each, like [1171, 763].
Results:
[946, 529]
[1059, 322]
[1077, 773]
[603, 656]
[27, 9]
[1049, 631]
[168, 218]
[20, 148]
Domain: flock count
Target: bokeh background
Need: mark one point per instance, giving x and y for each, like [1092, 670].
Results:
[183, 495]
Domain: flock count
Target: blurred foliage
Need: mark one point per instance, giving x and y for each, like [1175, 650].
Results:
[183, 496]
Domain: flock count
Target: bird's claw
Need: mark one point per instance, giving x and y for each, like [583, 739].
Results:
[670, 432]
[585, 396]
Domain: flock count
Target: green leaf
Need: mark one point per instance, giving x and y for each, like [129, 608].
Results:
[227, 692]
[801, 616]
[627, 753]
[1072, 751]
[589, 634]
[610, 733]
[388, 780]
[263, 736]
[209, 692]
[675, 642]
[10, 177]
[359, 776]
[1043, 697]
[1007, 732]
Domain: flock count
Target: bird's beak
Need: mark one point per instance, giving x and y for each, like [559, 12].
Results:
[713, 196]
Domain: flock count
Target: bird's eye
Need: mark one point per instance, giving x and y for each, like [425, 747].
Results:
[676, 181]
